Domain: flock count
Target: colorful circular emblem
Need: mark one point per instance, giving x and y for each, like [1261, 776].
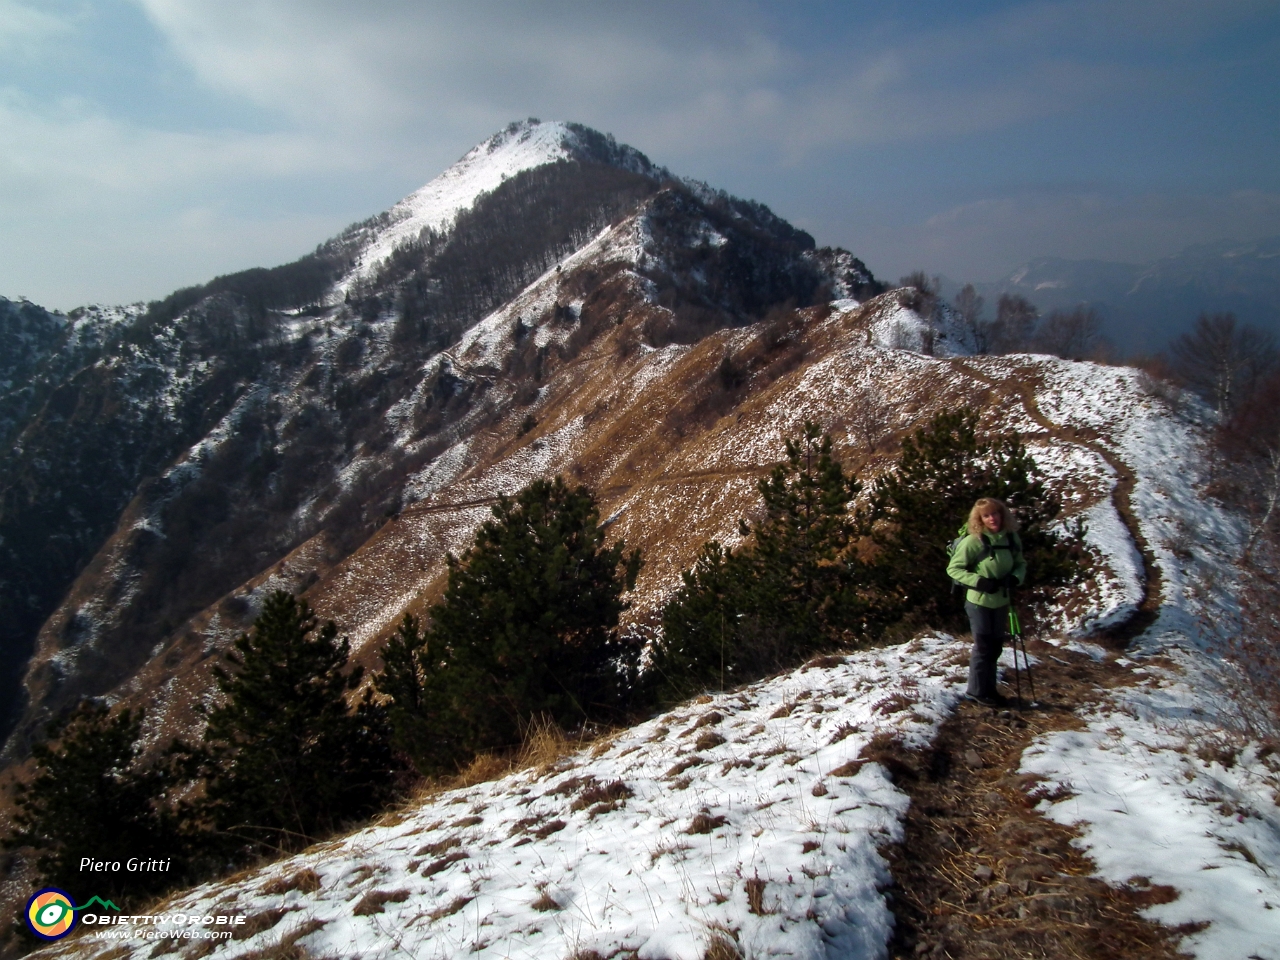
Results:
[51, 914]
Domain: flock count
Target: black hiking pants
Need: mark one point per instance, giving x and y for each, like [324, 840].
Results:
[990, 627]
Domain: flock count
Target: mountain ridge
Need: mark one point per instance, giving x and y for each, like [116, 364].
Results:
[235, 422]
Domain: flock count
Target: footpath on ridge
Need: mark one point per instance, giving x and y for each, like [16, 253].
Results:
[980, 873]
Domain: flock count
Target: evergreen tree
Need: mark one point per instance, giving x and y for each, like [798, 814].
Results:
[918, 506]
[703, 627]
[286, 759]
[801, 551]
[527, 627]
[794, 587]
[416, 732]
[90, 798]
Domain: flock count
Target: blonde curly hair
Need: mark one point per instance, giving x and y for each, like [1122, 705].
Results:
[1008, 522]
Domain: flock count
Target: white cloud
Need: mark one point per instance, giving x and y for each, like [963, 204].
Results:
[22, 25]
[79, 155]
[362, 68]
[96, 209]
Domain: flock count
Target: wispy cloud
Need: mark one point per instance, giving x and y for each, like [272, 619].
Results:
[347, 107]
[734, 82]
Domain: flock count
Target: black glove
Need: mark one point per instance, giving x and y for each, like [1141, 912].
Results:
[987, 585]
[1009, 582]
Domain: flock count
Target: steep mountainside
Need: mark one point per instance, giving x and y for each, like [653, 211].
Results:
[556, 304]
[291, 412]
[852, 807]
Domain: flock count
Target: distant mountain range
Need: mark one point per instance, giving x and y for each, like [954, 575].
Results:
[1145, 305]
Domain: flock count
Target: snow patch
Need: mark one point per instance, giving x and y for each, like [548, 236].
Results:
[674, 829]
[435, 206]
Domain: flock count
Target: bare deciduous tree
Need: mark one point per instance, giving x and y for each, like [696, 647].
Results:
[969, 305]
[1070, 334]
[922, 293]
[1222, 361]
[1250, 442]
[1013, 327]
[1252, 652]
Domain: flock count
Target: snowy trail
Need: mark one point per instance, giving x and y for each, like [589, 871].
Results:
[981, 873]
[1129, 621]
[1161, 782]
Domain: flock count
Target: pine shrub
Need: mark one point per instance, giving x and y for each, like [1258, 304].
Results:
[286, 759]
[91, 797]
[528, 628]
[817, 574]
[918, 506]
[795, 586]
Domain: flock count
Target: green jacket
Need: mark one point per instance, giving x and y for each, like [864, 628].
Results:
[965, 567]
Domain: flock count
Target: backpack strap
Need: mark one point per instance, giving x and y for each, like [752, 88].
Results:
[987, 550]
[1014, 546]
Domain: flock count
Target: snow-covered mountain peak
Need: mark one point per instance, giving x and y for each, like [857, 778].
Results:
[522, 145]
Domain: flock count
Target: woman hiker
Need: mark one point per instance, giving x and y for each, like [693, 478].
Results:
[989, 562]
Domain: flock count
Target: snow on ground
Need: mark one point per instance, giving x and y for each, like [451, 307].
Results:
[1086, 482]
[1148, 783]
[435, 206]
[489, 340]
[1146, 780]
[746, 812]
[897, 327]
[92, 324]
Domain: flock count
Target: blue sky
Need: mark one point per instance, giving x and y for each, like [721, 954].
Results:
[151, 144]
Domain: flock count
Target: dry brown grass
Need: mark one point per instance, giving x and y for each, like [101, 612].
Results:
[482, 769]
[755, 896]
[680, 766]
[256, 923]
[709, 740]
[436, 849]
[709, 719]
[545, 745]
[278, 951]
[545, 903]
[980, 873]
[449, 909]
[722, 946]
[602, 799]
[372, 902]
[544, 748]
[706, 822]
[304, 881]
[431, 869]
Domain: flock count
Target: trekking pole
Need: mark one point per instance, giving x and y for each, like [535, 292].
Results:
[1015, 630]
[1026, 657]
[1014, 627]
